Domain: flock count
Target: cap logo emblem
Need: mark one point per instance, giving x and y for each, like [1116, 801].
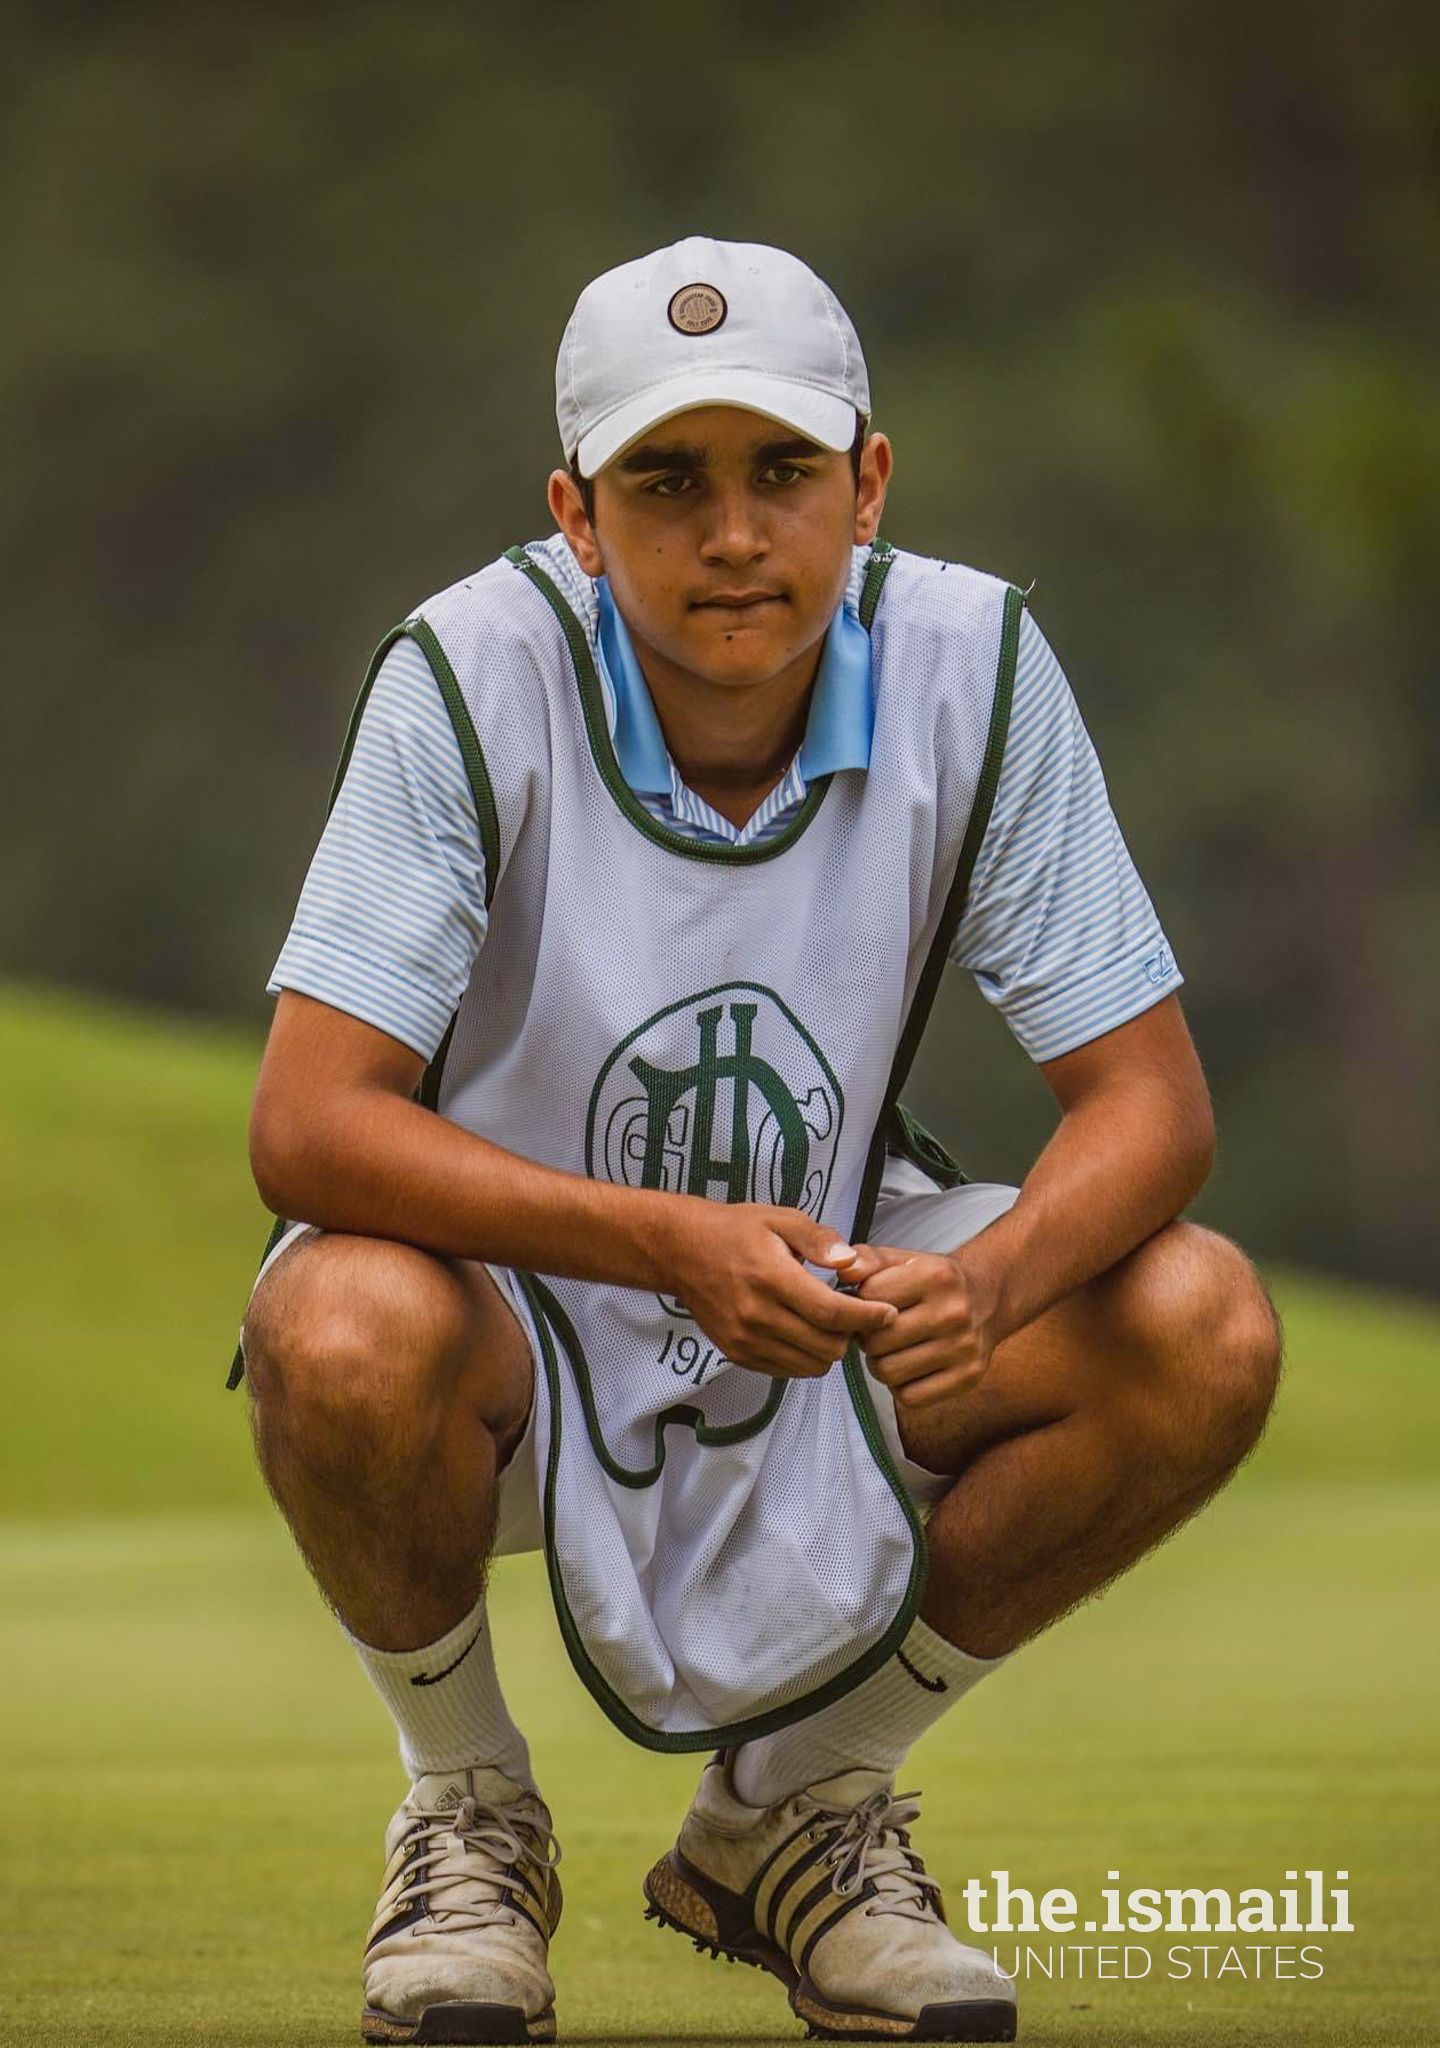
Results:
[697, 309]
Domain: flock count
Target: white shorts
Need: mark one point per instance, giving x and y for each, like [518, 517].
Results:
[911, 1210]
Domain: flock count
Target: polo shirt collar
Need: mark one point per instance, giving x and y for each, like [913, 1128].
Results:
[838, 730]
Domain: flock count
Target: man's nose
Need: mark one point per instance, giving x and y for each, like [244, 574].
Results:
[735, 530]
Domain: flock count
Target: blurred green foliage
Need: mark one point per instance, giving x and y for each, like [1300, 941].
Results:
[1149, 297]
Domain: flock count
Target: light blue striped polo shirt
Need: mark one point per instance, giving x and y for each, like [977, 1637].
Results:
[1059, 932]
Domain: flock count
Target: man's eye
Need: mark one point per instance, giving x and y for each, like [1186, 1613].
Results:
[784, 473]
[672, 486]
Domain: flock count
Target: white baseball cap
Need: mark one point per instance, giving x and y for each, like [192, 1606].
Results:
[706, 323]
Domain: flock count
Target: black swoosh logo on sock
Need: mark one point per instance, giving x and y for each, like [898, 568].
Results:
[930, 1684]
[434, 1678]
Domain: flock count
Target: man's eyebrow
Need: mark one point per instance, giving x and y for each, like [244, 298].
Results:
[664, 455]
[789, 451]
[690, 456]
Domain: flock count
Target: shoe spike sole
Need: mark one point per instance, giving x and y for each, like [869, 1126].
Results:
[698, 1941]
[971, 2020]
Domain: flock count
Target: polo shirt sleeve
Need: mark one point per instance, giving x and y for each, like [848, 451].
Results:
[1058, 932]
[392, 913]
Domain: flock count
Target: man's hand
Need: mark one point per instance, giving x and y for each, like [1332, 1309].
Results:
[739, 1269]
[943, 1336]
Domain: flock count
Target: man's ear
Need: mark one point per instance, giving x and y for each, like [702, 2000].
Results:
[876, 463]
[567, 509]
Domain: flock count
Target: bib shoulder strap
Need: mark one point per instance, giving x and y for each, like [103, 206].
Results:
[882, 558]
[893, 1119]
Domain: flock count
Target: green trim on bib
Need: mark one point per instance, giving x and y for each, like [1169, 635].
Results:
[353, 728]
[950, 917]
[882, 561]
[710, 1435]
[602, 747]
[913, 1141]
[428, 1093]
[487, 816]
[471, 753]
[540, 1302]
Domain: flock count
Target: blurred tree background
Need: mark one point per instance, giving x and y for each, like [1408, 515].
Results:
[1150, 301]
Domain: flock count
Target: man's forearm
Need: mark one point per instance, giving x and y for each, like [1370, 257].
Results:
[1122, 1163]
[375, 1163]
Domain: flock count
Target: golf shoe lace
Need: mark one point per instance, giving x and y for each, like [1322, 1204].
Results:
[870, 1843]
[467, 1859]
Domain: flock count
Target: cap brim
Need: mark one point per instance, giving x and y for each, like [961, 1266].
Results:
[819, 415]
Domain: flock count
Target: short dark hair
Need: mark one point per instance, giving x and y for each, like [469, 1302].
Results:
[586, 484]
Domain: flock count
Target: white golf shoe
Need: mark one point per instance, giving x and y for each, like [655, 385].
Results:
[825, 1890]
[457, 1950]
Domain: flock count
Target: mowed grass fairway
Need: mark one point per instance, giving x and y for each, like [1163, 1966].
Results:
[195, 1777]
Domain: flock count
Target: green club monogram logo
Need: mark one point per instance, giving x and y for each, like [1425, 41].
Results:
[724, 1094]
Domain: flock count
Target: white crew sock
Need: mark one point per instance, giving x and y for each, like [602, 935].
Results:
[870, 1729]
[459, 1717]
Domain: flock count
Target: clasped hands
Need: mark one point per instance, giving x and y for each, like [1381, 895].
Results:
[940, 1342]
[924, 1321]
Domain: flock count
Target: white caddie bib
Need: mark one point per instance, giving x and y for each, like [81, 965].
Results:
[726, 1550]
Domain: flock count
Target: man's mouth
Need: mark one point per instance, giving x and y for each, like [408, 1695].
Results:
[737, 600]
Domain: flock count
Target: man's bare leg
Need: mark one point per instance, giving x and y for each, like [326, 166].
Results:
[1098, 1429]
[389, 1388]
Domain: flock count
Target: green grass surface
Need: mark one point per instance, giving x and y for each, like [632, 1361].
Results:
[194, 1777]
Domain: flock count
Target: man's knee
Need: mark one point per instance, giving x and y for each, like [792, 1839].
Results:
[1199, 1314]
[352, 1334]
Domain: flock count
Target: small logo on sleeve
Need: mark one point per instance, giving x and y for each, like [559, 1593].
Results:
[1159, 967]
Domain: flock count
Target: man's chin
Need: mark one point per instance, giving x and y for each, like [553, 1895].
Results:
[744, 661]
